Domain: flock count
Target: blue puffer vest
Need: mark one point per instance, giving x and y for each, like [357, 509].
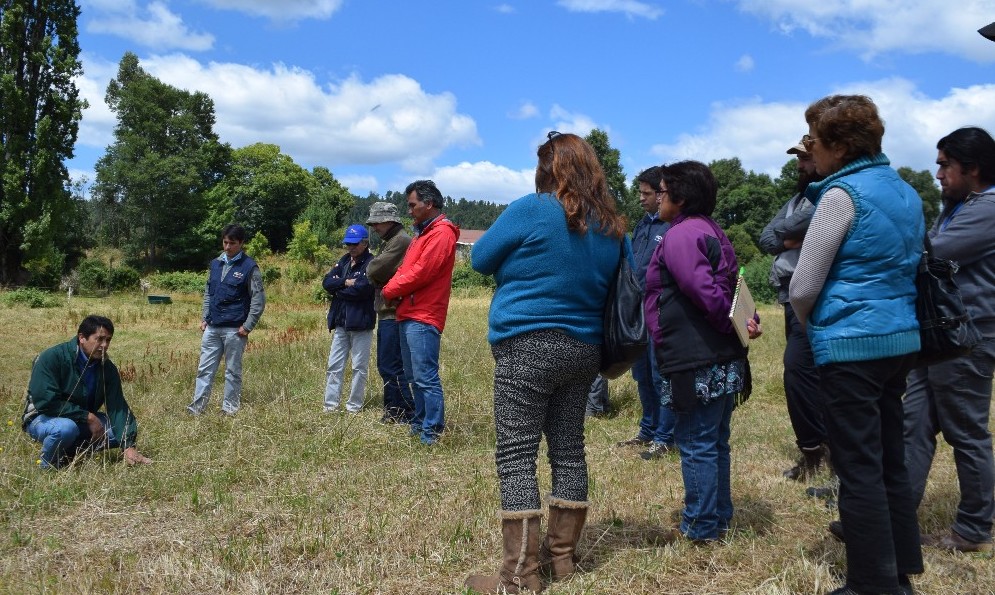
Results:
[866, 310]
[230, 297]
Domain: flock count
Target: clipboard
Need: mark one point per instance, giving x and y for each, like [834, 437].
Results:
[743, 309]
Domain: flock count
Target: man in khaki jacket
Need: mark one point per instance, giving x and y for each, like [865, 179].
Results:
[398, 403]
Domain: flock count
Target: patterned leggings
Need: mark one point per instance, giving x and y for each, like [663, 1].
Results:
[541, 381]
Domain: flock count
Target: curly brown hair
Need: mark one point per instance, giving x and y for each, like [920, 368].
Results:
[849, 121]
[569, 169]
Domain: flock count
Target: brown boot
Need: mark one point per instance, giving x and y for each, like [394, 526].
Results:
[519, 571]
[557, 556]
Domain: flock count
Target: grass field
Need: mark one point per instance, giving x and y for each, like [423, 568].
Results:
[285, 499]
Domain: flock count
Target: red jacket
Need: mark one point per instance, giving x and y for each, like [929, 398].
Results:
[425, 278]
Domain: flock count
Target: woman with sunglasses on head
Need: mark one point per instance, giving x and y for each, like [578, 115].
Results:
[854, 288]
[690, 282]
[553, 255]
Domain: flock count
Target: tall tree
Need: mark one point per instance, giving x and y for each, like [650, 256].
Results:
[610, 158]
[40, 110]
[264, 191]
[164, 157]
[327, 206]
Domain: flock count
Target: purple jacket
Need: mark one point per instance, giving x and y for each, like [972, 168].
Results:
[690, 282]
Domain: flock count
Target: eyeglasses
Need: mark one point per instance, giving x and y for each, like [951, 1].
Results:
[808, 142]
[552, 134]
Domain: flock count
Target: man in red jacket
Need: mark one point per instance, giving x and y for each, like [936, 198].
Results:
[421, 289]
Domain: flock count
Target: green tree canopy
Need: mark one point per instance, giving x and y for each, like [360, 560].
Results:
[164, 157]
[328, 204]
[626, 201]
[40, 110]
[923, 183]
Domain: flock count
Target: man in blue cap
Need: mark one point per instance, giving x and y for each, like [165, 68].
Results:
[351, 319]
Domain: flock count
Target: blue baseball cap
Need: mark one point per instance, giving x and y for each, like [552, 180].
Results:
[355, 234]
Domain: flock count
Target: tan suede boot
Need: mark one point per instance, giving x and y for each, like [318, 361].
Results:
[519, 571]
[557, 557]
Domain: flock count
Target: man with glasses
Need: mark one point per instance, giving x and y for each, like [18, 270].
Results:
[656, 426]
[783, 238]
[421, 289]
[351, 319]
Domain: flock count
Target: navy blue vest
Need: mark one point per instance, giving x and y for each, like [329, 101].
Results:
[230, 297]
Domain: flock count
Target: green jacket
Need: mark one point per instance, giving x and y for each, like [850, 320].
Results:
[57, 390]
[385, 264]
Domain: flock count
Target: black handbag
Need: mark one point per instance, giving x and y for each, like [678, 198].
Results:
[625, 335]
[946, 330]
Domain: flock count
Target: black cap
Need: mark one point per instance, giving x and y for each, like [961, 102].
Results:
[988, 31]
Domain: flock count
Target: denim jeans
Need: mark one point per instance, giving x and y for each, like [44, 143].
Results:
[657, 423]
[397, 399]
[420, 353]
[60, 437]
[597, 396]
[703, 439]
[954, 398]
[359, 344]
[864, 420]
[218, 341]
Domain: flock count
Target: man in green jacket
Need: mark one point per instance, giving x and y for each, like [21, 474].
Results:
[69, 384]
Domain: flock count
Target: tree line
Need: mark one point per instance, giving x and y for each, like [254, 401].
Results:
[167, 183]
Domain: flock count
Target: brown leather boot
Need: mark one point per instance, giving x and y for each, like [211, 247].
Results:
[557, 557]
[519, 571]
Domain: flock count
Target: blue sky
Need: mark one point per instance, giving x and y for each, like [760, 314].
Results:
[463, 91]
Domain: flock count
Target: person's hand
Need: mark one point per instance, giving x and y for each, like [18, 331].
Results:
[792, 244]
[350, 282]
[753, 328]
[242, 332]
[133, 457]
[203, 325]
[96, 428]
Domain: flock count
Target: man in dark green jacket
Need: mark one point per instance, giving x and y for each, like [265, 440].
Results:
[69, 384]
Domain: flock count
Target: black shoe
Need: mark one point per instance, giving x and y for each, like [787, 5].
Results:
[836, 528]
[826, 491]
[655, 451]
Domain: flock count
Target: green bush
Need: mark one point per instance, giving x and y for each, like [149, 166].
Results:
[30, 297]
[182, 281]
[319, 295]
[271, 274]
[757, 276]
[124, 278]
[300, 272]
[464, 277]
[92, 275]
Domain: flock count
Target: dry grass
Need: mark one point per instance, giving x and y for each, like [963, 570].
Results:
[285, 499]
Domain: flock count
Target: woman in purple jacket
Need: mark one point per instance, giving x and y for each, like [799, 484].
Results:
[689, 288]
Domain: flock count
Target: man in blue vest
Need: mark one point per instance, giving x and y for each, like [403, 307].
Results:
[233, 302]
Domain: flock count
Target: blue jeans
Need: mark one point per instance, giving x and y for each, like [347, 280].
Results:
[397, 399]
[420, 354]
[657, 423]
[218, 341]
[61, 437]
[703, 439]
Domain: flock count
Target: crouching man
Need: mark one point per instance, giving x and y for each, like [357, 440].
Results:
[69, 384]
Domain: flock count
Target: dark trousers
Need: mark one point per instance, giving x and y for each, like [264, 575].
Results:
[864, 419]
[397, 399]
[801, 384]
[954, 398]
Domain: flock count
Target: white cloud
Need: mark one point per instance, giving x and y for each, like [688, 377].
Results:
[505, 8]
[525, 111]
[631, 8]
[155, 26]
[484, 180]
[358, 182]
[745, 63]
[284, 10]
[567, 121]
[97, 126]
[388, 119]
[759, 133]
[872, 27]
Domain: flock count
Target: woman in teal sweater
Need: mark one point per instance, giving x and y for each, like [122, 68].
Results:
[552, 255]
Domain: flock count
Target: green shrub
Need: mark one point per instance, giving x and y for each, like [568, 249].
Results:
[300, 272]
[30, 297]
[182, 281]
[124, 278]
[92, 275]
[258, 247]
[464, 277]
[271, 274]
[757, 276]
[319, 295]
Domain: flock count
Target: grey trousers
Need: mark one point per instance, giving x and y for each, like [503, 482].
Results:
[954, 398]
[541, 381]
